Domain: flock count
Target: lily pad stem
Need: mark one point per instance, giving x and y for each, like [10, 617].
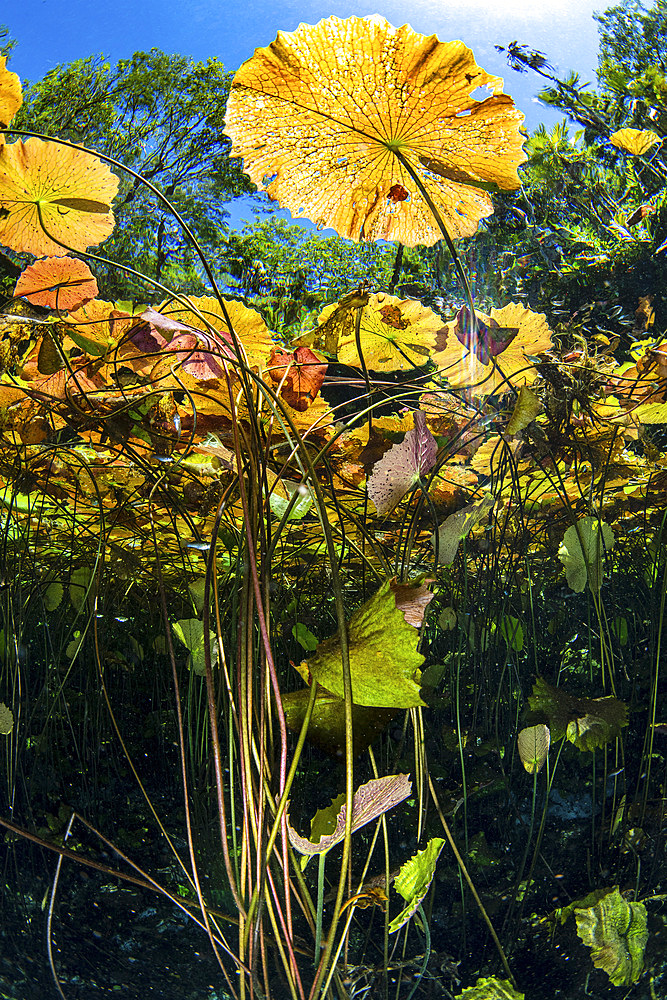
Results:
[445, 235]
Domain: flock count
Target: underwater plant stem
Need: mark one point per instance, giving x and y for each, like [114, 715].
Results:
[650, 732]
[362, 361]
[49, 919]
[398, 264]
[463, 278]
[466, 876]
[538, 843]
[427, 952]
[320, 903]
[524, 859]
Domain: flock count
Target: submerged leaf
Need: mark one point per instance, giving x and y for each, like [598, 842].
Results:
[300, 375]
[484, 340]
[320, 114]
[527, 407]
[57, 283]
[457, 526]
[635, 141]
[533, 745]
[402, 466]
[191, 633]
[587, 722]
[327, 722]
[582, 552]
[53, 595]
[371, 800]
[414, 880]
[6, 720]
[616, 932]
[305, 637]
[384, 662]
[394, 334]
[462, 366]
[490, 988]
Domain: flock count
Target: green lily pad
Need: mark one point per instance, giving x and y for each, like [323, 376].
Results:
[457, 526]
[384, 662]
[305, 637]
[582, 553]
[512, 632]
[533, 745]
[191, 633]
[301, 505]
[587, 722]
[53, 595]
[6, 719]
[79, 586]
[490, 988]
[414, 879]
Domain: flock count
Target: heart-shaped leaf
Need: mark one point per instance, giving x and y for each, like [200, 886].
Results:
[402, 466]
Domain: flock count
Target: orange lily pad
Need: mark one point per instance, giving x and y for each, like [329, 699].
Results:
[57, 283]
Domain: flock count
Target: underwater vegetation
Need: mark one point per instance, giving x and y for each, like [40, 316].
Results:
[381, 583]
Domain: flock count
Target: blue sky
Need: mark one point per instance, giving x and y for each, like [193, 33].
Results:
[49, 32]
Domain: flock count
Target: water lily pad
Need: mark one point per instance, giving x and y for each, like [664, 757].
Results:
[582, 553]
[587, 722]
[191, 633]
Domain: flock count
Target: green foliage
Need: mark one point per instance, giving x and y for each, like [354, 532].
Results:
[490, 988]
[414, 880]
[384, 662]
[190, 631]
[6, 719]
[587, 722]
[616, 932]
[582, 553]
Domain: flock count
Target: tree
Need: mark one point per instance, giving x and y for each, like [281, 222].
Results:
[6, 43]
[162, 116]
[596, 215]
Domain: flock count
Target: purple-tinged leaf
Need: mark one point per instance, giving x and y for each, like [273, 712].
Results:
[484, 341]
[402, 466]
[371, 800]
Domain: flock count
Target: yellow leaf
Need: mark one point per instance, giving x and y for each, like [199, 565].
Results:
[206, 314]
[53, 199]
[322, 114]
[10, 96]
[462, 367]
[635, 141]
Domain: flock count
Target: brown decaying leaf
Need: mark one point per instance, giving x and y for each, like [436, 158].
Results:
[300, 375]
[48, 190]
[319, 114]
[412, 600]
[11, 98]
[57, 283]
